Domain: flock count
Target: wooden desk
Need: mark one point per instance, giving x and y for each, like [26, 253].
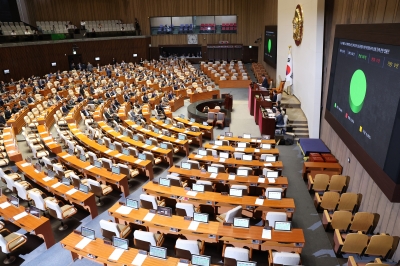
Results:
[225, 203]
[37, 226]
[233, 83]
[164, 154]
[17, 121]
[10, 144]
[100, 174]
[245, 150]
[247, 180]
[48, 140]
[48, 118]
[144, 166]
[266, 125]
[254, 141]
[183, 144]
[316, 166]
[197, 136]
[177, 103]
[87, 201]
[207, 130]
[103, 251]
[195, 97]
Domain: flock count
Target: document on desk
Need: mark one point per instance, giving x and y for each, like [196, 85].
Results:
[239, 149]
[139, 259]
[177, 140]
[117, 253]
[259, 141]
[259, 202]
[5, 205]
[268, 164]
[198, 156]
[145, 146]
[221, 137]
[89, 167]
[49, 143]
[154, 148]
[11, 151]
[215, 147]
[182, 264]
[25, 164]
[83, 243]
[266, 234]
[261, 180]
[174, 174]
[56, 185]
[120, 136]
[46, 179]
[138, 161]
[108, 151]
[66, 156]
[149, 217]
[71, 191]
[109, 131]
[123, 210]
[253, 140]
[118, 155]
[9, 145]
[193, 225]
[271, 180]
[213, 175]
[231, 177]
[256, 150]
[221, 160]
[185, 131]
[19, 216]
[191, 193]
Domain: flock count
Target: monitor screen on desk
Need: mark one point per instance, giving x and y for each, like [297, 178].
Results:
[224, 155]
[158, 252]
[50, 174]
[241, 222]
[126, 151]
[38, 167]
[125, 133]
[14, 200]
[212, 169]
[277, 195]
[242, 172]
[66, 181]
[272, 174]
[83, 188]
[270, 158]
[218, 142]
[82, 157]
[198, 187]
[247, 136]
[228, 134]
[165, 211]
[164, 146]
[70, 151]
[34, 211]
[149, 142]
[235, 192]
[87, 232]
[111, 146]
[200, 217]
[202, 152]
[181, 137]
[98, 164]
[201, 260]
[142, 157]
[132, 203]
[241, 144]
[185, 165]
[266, 146]
[115, 170]
[136, 137]
[100, 141]
[192, 120]
[120, 243]
[246, 263]
[205, 124]
[166, 121]
[247, 157]
[165, 182]
[283, 226]
[156, 130]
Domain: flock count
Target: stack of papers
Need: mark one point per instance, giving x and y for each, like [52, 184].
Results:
[47, 179]
[149, 217]
[138, 161]
[19, 216]
[117, 253]
[193, 225]
[5, 205]
[259, 201]
[89, 167]
[139, 259]
[266, 234]
[25, 164]
[123, 210]
[271, 180]
[56, 185]
[71, 191]
[191, 193]
[83, 243]
[213, 175]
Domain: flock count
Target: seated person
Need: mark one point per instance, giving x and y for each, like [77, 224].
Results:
[145, 99]
[23, 103]
[86, 112]
[64, 108]
[2, 119]
[15, 109]
[8, 113]
[111, 116]
[206, 109]
[30, 99]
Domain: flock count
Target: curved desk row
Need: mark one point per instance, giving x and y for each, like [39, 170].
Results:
[10, 144]
[206, 130]
[231, 149]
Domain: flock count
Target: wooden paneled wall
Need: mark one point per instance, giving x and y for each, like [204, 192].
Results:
[252, 16]
[25, 61]
[359, 12]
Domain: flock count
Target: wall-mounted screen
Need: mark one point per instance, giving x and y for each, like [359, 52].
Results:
[270, 45]
[363, 99]
[6, 71]
[54, 64]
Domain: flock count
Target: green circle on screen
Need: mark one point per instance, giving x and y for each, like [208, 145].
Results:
[269, 45]
[358, 90]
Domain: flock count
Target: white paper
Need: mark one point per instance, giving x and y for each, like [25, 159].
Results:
[213, 175]
[66, 156]
[154, 148]
[261, 180]
[177, 140]
[9, 145]
[198, 156]
[117, 253]
[266, 234]
[239, 149]
[36, 171]
[221, 160]
[138, 161]
[49, 143]
[191, 193]
[231, 177]
[123, 210]
[259, 201]
[174, 174]
[193, 225]
[182, 264]
[8, 140]
[149, 217]
[19, 216]
[139, 259]
[221, 137]
[83, 243]
[47, 179]
[5, 205]
[110, 130]
[11, 151]
[71, 191]
[215, 147]
[118, 155]
[56, 185]
[271, 180]
[120, 136]
[259, 141]
[145, 146]
[7, 133]
[108, 151]
[256, 150]
[25, 164]
[89, 167]
[268, 164]
[47, 138]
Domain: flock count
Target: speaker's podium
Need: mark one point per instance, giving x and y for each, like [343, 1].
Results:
[228, 101]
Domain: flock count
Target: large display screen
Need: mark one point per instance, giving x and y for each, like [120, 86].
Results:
[363, 99]
[270, 48]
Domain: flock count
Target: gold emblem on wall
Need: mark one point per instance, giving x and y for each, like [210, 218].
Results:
[298, 25]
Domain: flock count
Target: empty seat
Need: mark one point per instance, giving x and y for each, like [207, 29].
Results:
[150, 202]
[354, 243]
[283, 258]
[233, 254]
[228, 216]
[186, 248]
[143, 239]
[110, 229]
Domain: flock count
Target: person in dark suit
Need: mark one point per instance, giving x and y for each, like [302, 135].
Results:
[110, 116]
[57, 97]
[80, 99]
[64, 108]
[8, 113]
[85, 112]
[1, 102]
[15, 109]
[92, 91]
[23, 103]
[108, 71]
[145, 98]
[264, 83]
[274, 97]
[2, 119]
[170, 96]
[126, 97]
[82, 91]
[30, 99]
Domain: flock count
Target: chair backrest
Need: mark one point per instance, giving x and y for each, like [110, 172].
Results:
[95, 187]
[92, 157]
[330, 200]
[184, 209]
[111, 228]
[107, 163]
[148, 201]
[194, 164]
[286, 258]
[379, 245]
[9, 181]
[321, 182]
[337, 183]
[221, 168]
[362, 221]
[235, 253]
[235, 212]
[355, 243]
[38, 200]
[3, 245]
[341, 220]
[238, 155]
[185, 248]
[273, 217]
[57, 212]
[348, 202]
[210, 115]
[144, 239]
[133, 151]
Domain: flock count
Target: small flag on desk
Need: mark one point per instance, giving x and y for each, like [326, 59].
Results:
[289, 69]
